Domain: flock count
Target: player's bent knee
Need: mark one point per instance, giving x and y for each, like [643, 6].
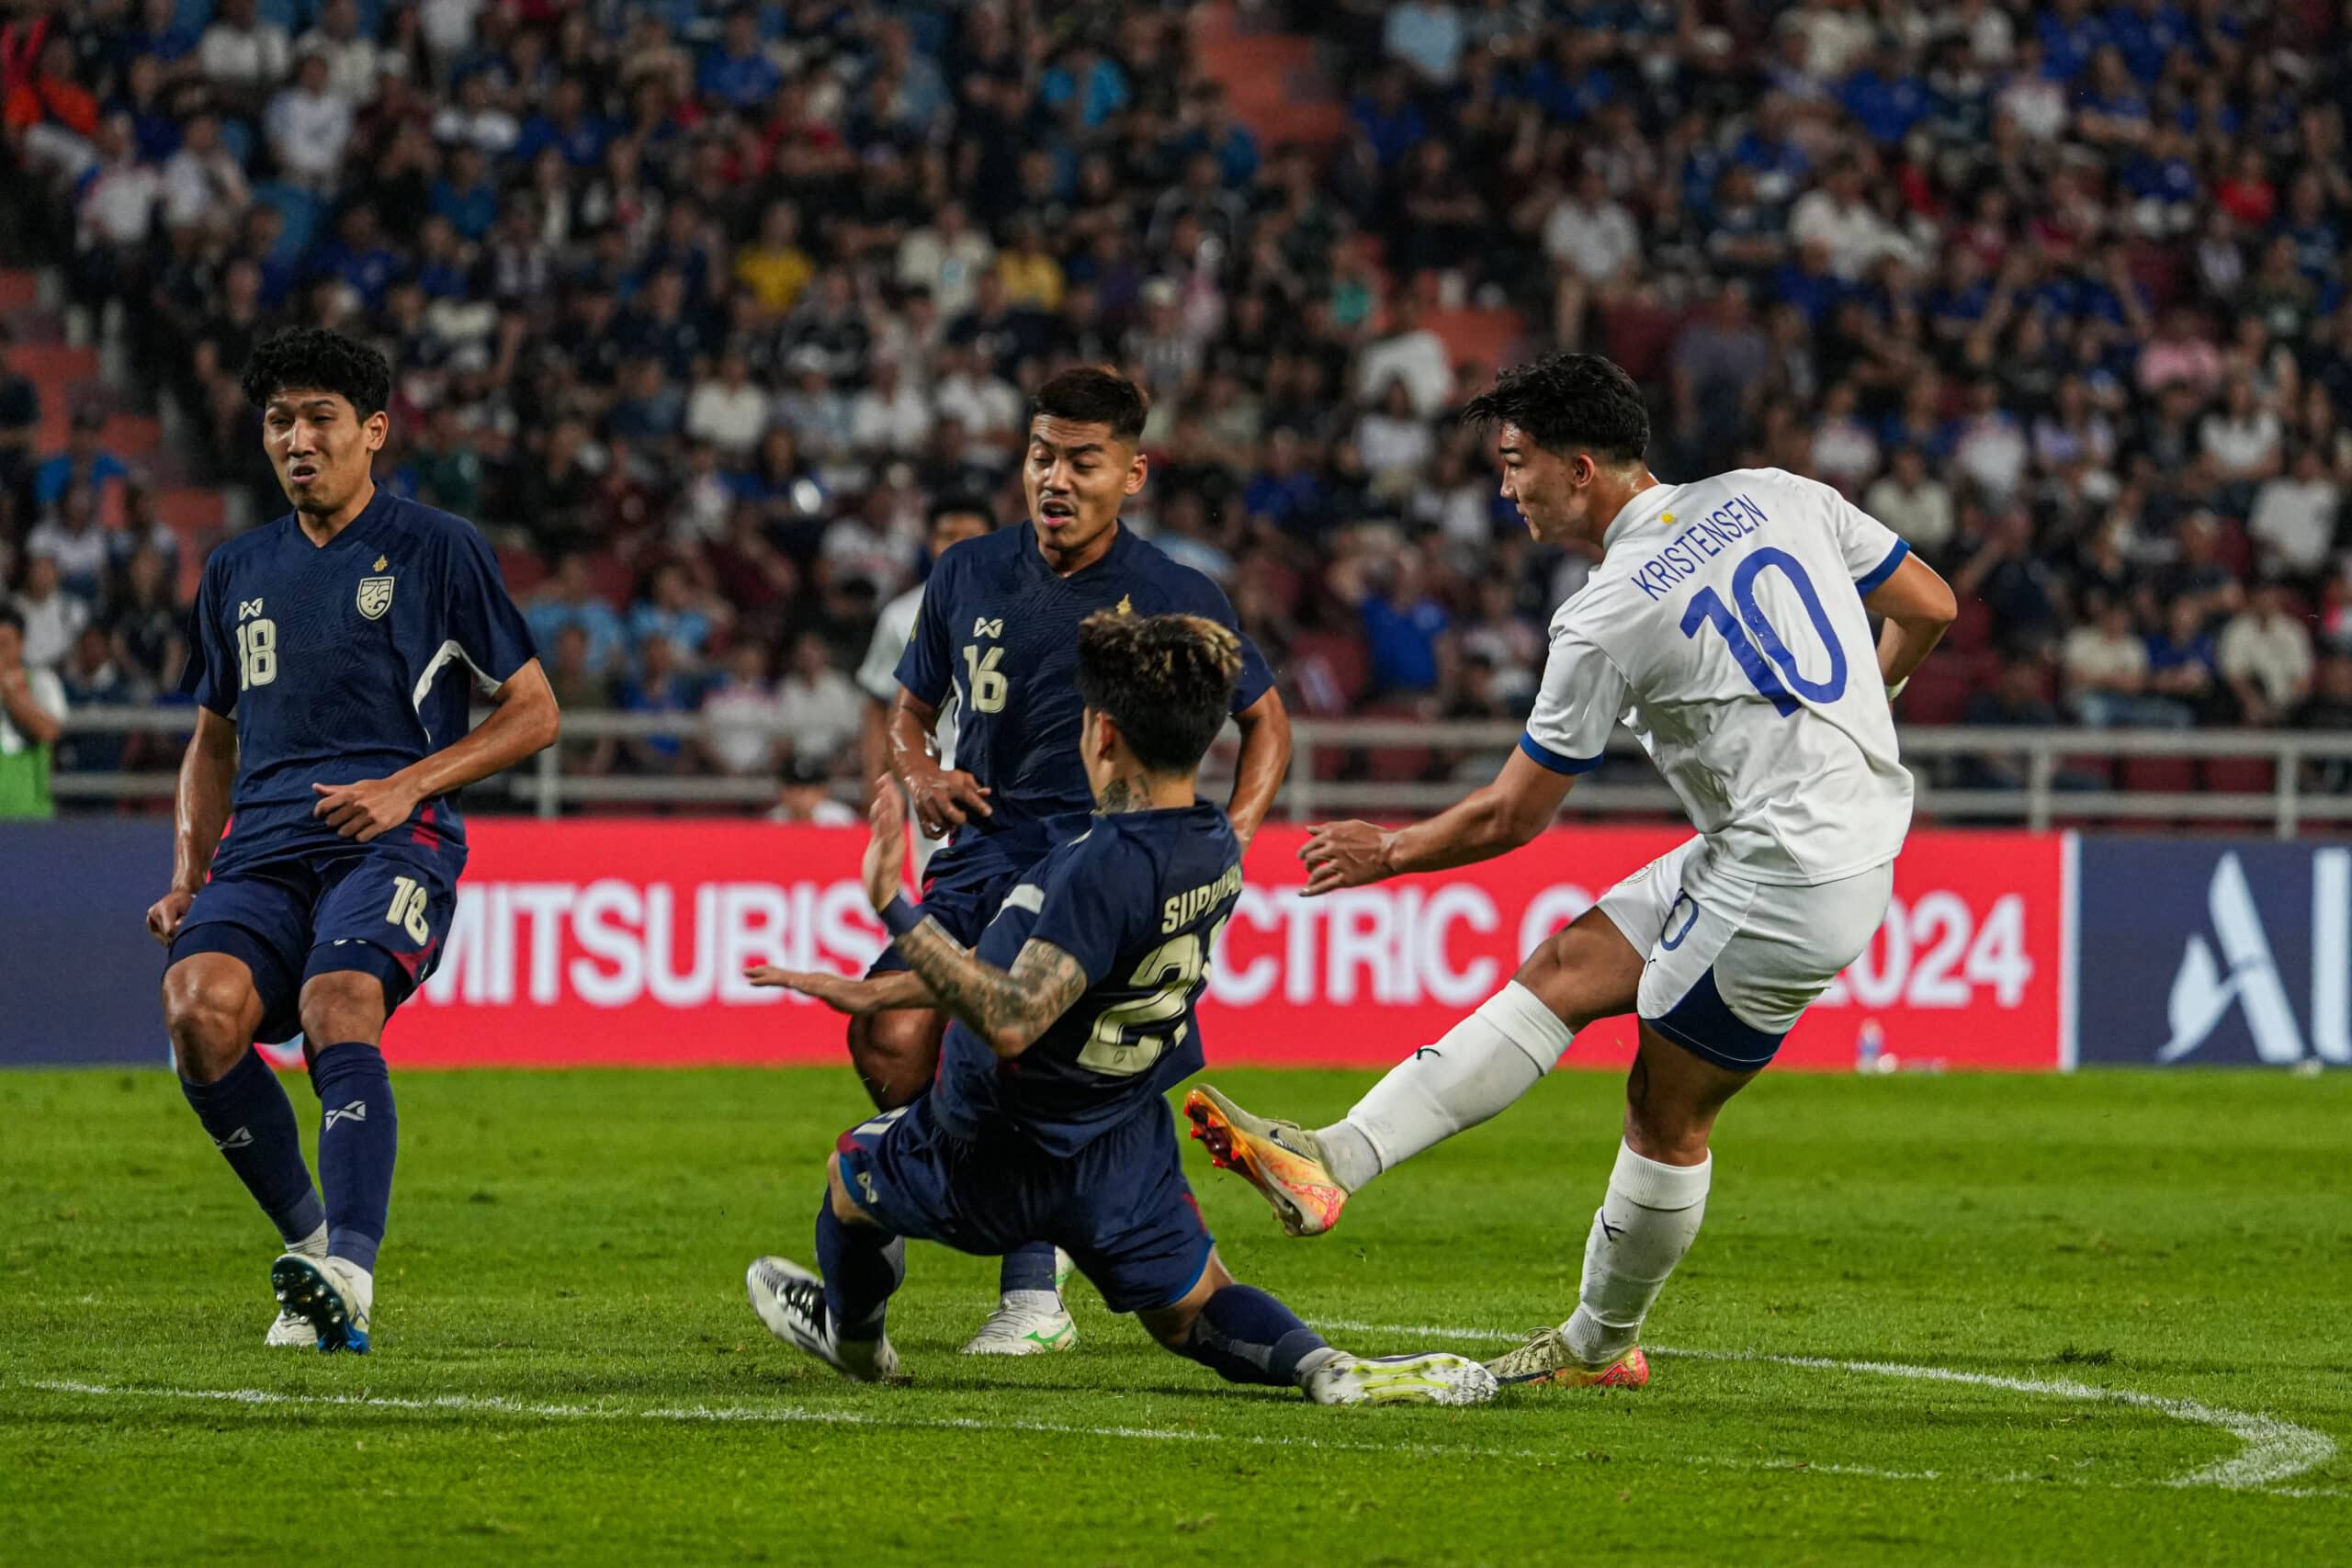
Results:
[210, 1011]
[1173, 1325]
[837, 1195]
[342, 1005]
[1585, 972]
[896, 1054]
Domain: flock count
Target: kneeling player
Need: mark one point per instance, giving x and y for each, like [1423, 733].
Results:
[1072, 1019]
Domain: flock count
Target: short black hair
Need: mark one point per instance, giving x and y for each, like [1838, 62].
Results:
[12, 616]
[308, 358]
[955, 503]
[1568, 403]
[1093, 394]
[1165, 680]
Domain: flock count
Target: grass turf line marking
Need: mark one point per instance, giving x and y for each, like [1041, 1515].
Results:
[2275, 1450]
[791, 1415]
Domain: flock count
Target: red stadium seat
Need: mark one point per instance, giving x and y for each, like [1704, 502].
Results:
[2241, 775]
[1938, 693]
[2159, 775]
[1972, 628]
[523, 570]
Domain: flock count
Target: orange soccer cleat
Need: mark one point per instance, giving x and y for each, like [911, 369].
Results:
[1281, 1159]
[1546, 1362]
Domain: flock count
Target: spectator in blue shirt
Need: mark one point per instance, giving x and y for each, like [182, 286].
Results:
[738, 71]
[1388, 121]
[1886, 97]
[672, 612]
[1404, 627]
[84, 464]
[1096, 83]
[568, 601]
[2182, 664]
[466, 196]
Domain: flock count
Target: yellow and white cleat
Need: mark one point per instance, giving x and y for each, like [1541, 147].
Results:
[1434, 1378]
[1546, 1362]
[1281, 1159]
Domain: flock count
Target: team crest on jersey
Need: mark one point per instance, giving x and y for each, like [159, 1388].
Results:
[375, 596]
[1126, 605]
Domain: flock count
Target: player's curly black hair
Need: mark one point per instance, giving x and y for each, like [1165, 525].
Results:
[315, 359]
[1568, 403]
[1165, 680]
[1093, 394]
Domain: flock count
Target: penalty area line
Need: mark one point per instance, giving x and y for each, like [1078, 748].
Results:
[2274, 1451]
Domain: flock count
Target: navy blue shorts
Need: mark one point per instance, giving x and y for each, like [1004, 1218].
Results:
[966, 882]
[382, 911]
[1122, 1209]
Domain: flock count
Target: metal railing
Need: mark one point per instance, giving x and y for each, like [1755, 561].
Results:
[1459, 756]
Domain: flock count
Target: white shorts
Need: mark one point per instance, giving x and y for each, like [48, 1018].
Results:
[1733, 963]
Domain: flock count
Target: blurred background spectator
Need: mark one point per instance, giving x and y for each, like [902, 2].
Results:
[696, 308]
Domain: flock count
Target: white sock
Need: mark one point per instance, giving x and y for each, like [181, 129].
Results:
[1640, 1232]
[1485, 1062]
[361, 1282]
[311, 1245]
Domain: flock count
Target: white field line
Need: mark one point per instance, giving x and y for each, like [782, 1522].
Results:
[792, 1415]
[2275, 1450]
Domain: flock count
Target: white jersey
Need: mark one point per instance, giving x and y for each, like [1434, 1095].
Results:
[879, 676]
[1725, 626]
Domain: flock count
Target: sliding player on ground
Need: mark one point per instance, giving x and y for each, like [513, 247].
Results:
[329, 657]
[1073, 1018]
[1728, 626]
[997, 636]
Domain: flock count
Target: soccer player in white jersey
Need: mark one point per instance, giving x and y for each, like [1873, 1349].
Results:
[954, 519]
[1728, 626]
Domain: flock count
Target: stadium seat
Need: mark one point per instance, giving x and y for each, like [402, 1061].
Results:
[2159, 775]
[524, 570]
[2239, 775]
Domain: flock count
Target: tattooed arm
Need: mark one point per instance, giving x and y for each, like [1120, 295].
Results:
[1009, 1009]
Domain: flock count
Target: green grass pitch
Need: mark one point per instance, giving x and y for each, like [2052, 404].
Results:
[2134, 1294]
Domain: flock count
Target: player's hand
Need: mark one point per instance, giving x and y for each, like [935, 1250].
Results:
[366, 810]
[1344, 854]
[836, 991]
[884, 867]
[164, 915]
[946, 798]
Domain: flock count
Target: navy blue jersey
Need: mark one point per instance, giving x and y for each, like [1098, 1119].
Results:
[1001, 628]
[1139, 900]
[347, 661]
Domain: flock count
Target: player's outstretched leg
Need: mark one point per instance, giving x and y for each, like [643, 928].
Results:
[836, 1316]
[1483, 1065]
[1648, 1219]
[213, 1013]
[1029, 1316]
[1246, 1335]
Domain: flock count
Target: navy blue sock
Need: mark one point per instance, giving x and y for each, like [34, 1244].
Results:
[1029, 1268]
[251, 1123]
[358, 1133]
[861, 1264]
[1243, 1335]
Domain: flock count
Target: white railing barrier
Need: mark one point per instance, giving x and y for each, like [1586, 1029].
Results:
[1475, 747]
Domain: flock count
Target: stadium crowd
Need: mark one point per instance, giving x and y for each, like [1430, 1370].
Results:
[698, 310]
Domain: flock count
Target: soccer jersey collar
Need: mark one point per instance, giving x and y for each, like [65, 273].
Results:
[1642, 510]
[377, 505]
[1123, 545]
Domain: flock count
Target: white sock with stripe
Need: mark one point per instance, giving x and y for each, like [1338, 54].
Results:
[1645, 1225]
[1482, 1065]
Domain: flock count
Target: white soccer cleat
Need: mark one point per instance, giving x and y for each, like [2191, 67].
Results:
[1029, 1322]
[292, 1331]
[1434, 1377]
[332, 1298]
[791, 1300]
